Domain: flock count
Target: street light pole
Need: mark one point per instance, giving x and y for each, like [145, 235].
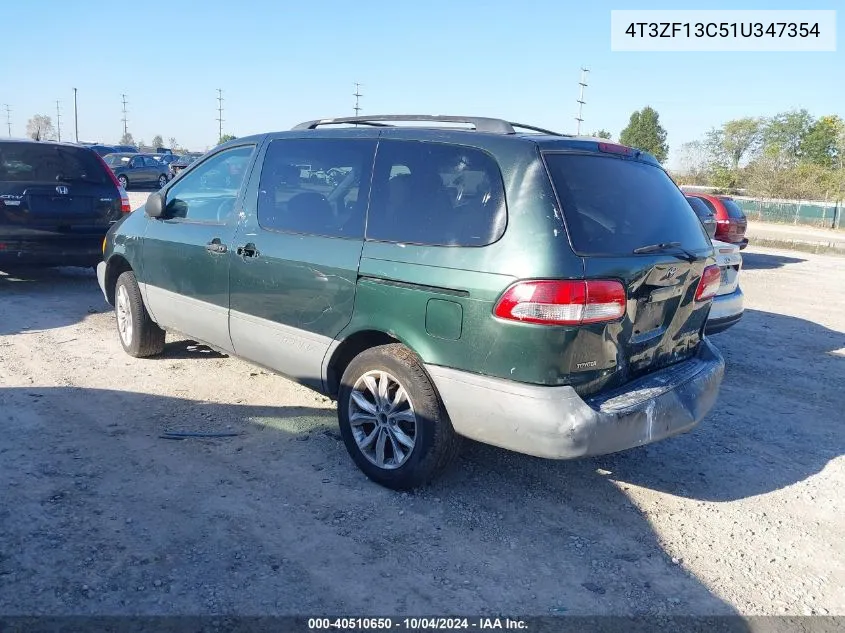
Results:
[75, 119]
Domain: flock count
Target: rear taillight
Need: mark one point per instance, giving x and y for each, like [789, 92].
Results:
[124, 198]
[709, 283]
[562, 302]
[125, 207]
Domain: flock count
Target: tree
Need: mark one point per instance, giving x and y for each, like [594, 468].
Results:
[173, 144]
[694, 163]
[820, 144]
[40, 128]
[602, 134]
[735, 140]
[158, 141]
[784, 134]
[227, 137]
[645, 132]
[127, 139]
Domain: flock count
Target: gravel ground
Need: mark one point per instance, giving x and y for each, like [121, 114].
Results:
[100, 515]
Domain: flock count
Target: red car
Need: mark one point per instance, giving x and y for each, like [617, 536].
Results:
[730, 219]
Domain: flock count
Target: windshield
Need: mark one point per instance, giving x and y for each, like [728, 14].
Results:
[34, 162]
[612, 205]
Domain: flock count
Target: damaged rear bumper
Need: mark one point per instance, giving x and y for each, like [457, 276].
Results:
[556, 423]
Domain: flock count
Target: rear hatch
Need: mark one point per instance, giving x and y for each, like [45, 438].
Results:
[54, 190]
[734, 226]
[629, 222]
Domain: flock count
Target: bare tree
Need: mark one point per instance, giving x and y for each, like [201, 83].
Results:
[40, 128]
[158, 141]
[173, 144]
[127, 139]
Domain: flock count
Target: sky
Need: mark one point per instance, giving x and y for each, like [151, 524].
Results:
[280, 63]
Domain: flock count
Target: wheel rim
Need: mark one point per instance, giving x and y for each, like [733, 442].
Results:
[123, 182]
[382, 418]
[162, 181]
[124, 316]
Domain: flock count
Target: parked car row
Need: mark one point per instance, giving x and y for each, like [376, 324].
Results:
[394, 269]
[728, 304]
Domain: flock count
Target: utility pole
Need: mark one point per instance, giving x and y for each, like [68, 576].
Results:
[9, 119]
[357, 96]
[75, 118]
[59, 120]
[219, 114]
[583, 84]
[125, 128]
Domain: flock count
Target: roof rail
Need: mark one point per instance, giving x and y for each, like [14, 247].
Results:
[481, 124]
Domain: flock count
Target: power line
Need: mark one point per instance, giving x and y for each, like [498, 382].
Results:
[581, 102]
[9, 119]
[219, 114]
[357, 96]
[125, 128]
[59, 120]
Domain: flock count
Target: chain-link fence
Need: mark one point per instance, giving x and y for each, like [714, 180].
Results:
[811, 213]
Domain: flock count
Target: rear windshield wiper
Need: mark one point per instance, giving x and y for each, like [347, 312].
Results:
[665, 246]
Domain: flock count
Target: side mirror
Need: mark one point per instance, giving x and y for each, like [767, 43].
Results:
[154, 207]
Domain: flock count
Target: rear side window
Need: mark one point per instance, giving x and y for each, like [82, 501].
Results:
[34, 162]
[436, 194]
[613, 205]
[732, 208]
[316, 186]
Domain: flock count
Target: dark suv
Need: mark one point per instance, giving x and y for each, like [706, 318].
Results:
[535, 291]
[57, 200]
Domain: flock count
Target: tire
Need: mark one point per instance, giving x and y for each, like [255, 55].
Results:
[162, 181]
[124, 182]
[434, 442]
[138, 334]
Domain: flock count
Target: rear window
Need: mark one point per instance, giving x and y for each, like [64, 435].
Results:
[733, 209]
[701, 210]
[34, 162]
[613, 205]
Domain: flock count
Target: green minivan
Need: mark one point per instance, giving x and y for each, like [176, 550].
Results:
[441, 277]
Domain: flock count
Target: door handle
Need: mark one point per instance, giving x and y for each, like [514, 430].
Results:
[215, 246]
[247, 250]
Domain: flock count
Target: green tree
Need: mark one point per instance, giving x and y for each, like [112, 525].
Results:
[735, 140]
[40, 128]
[820, 144]
[784, 134]
[158, 141]
[602, 134]
[227, 137]
[645, 132]
[127, 139]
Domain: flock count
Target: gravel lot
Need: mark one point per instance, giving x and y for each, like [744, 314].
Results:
[99, 515]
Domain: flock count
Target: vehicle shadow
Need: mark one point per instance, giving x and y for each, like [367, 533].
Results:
[499, 533]
[767, 261]
[66, 296]
[778, 419]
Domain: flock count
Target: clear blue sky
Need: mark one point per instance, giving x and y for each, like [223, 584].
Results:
[283, 62]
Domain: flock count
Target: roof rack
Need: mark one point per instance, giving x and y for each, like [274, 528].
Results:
[480, 124]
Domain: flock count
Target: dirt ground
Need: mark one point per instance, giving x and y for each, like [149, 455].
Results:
[100, 515]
